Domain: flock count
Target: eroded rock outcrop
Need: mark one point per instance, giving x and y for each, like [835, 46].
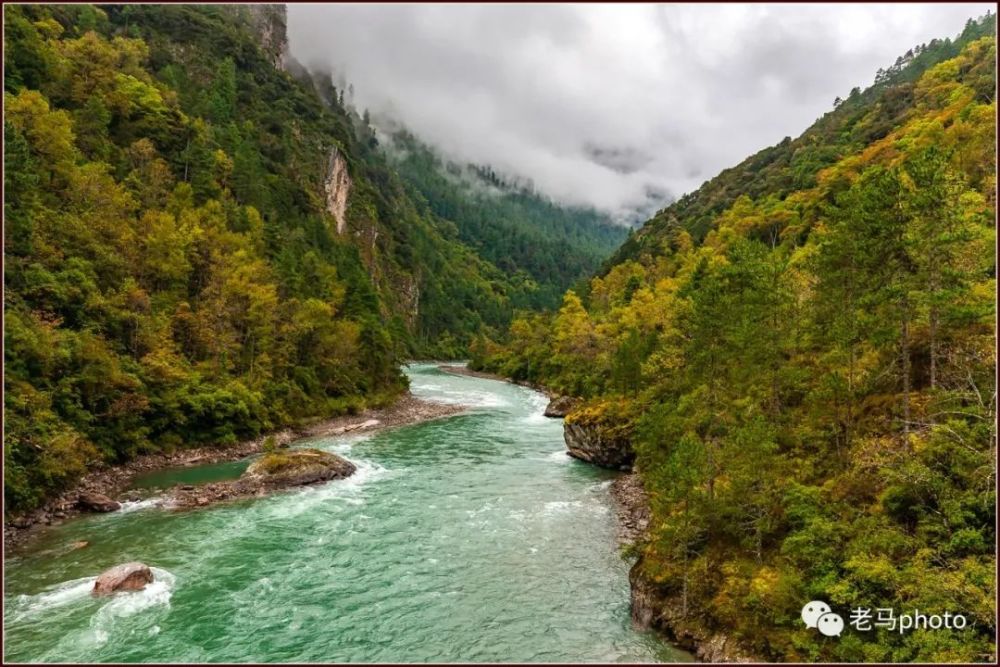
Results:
[560, 406]
[124, 577]
[600, 433]
[337, 187]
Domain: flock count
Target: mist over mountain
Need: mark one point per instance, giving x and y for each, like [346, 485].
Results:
[218, 248]
[624, 108]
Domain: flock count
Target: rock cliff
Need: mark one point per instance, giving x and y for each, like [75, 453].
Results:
[337, 186]
[598, 433]
[270, 23]
[560, 406]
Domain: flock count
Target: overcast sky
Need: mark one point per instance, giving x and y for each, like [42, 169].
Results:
[616, 106]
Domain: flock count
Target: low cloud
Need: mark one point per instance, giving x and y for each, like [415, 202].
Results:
[621, 107]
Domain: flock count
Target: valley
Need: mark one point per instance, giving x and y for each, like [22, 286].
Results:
[297, 359]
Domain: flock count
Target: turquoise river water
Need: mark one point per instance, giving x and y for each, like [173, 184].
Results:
[472, 538]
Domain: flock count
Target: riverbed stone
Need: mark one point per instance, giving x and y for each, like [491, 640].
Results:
[97, 502]
[125, 577]
[631, 506]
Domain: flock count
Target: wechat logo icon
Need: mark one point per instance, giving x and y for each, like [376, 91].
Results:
[817, 614]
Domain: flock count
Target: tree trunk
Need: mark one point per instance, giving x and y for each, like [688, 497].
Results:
[850, 400]
[933, 343]
[684, 584]
[759, 541]
[905, 354]
[684, 591]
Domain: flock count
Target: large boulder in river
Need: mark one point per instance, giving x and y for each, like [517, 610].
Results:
[601, 433]
[296, 468]
[271, 472]
[560, 406]
[96, 502]
[125, 577]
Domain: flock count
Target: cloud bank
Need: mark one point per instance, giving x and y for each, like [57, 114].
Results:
[621, 107]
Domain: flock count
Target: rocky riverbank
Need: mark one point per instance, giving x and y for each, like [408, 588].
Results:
[631, 506]
[113, 482]
[593, 434]
[652, 606]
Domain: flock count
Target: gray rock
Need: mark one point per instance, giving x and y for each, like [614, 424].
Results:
[594, 444]
[125, 577]
[97, 502]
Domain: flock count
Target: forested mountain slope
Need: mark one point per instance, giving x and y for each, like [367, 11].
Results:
[543, 246]
[200, 245]
[861, 118]
[802, 355]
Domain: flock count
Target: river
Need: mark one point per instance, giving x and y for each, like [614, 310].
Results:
[472, 538]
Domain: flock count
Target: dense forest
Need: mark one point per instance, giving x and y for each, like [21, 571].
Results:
[534, 240]
[203, 242]
[802, 355]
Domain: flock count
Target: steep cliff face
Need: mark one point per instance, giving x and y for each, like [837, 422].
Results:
[337, 186]
[270, 24]
[409, 296]
[428, 284]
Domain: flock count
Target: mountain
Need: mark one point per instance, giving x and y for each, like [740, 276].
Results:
[203, 243]
[800, 356]
[858, 120]
[539, 243]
